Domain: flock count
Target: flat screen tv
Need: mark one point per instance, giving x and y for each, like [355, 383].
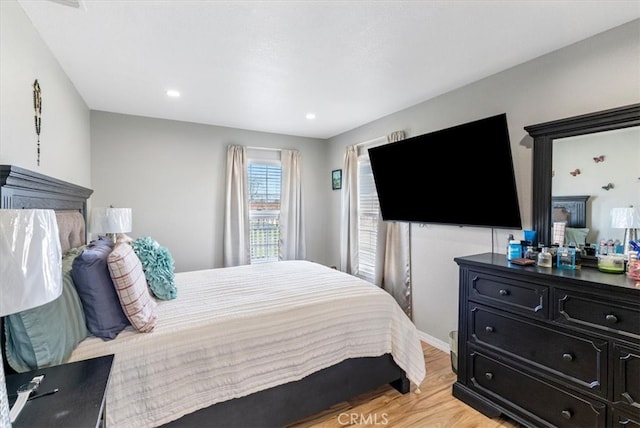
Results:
[461, 175]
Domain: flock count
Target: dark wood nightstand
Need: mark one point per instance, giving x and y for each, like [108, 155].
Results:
[79, 402]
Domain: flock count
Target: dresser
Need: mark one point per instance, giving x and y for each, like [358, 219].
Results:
[548, 347]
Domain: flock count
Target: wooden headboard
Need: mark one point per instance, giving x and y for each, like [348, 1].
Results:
[570, 209]
[24, 189]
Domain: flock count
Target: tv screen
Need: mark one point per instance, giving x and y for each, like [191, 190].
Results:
[461, 175]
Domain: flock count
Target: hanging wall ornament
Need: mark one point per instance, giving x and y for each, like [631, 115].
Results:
[609, 186]
[37, 106]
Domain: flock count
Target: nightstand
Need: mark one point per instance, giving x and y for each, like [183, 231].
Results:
[79, 402]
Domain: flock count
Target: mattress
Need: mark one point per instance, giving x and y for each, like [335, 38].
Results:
[235, 331]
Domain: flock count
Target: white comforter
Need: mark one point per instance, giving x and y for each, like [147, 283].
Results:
[235, 331]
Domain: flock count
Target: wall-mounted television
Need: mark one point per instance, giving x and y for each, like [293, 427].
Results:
[461, 175]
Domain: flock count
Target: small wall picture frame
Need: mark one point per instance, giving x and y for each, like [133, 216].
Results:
[336, 179]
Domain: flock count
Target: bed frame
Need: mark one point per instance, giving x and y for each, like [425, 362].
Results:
[278, 406]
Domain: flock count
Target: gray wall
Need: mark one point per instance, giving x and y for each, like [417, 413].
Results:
[595, 74]
[64, 137]
[172, 174]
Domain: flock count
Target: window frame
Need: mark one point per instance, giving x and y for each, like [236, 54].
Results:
[266, 213]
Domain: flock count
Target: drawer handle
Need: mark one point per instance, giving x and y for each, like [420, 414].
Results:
[488, 375]
[488, 329]
[504, 292]
[612, 319]
[566, 414]
[567, 357]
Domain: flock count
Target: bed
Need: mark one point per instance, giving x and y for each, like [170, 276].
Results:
[257, 345]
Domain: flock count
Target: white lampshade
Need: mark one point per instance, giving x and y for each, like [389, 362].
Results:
[30, 259]
[30, 270]
[110, 220]
[625, 218]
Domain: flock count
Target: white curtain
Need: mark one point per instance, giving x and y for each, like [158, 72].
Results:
[349, 214]
[393, 255]
[236, 246]
[292, 238]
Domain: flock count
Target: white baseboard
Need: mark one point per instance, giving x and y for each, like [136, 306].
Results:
[437, 343]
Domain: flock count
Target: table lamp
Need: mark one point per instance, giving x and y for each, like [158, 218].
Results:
[110, 221]
[628, 219]
[30, 273]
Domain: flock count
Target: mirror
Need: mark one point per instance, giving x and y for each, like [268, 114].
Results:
[547, 135]
[603, 166]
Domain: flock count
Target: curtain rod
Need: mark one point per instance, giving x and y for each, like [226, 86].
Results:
[263, 148]
[371, 141]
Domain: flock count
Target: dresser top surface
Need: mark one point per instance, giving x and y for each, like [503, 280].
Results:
[584, 275]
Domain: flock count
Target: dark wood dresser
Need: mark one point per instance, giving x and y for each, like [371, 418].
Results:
[548, 347]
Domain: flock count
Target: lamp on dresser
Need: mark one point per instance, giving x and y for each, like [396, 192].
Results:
[110, 221]
[627, 218]
[30, 276]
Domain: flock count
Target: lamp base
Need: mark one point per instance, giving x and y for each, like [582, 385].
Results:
[629, 235]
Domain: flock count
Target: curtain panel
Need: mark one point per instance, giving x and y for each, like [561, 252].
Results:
[392, 270]
[393, 254]
[349, 214]
[236, 245]
[292, 236]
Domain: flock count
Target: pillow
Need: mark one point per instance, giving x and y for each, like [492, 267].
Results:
[131, 287]
[105, 318]
[576, 235]
[157, 265]
[45, 336]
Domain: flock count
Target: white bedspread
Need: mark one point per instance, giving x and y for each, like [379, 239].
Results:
[235, 331]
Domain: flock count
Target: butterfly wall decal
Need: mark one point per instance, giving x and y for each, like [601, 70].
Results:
[575, 172]
[609, 186]
[598, 159]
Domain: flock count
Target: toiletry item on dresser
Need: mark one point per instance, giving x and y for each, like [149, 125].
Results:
[633, 266]
[611, 263]
[509, 239]
[566, 258]
[515, 250]
[530, 253]
[544, 258]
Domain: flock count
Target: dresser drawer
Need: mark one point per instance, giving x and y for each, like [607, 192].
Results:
[626, 379]
[594, 312]
[519, 296]
[580, 360]
[544, 403]
[622, 419]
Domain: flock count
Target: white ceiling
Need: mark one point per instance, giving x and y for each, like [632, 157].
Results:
[262, 65]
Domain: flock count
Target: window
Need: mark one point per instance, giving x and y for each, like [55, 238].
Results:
[368, 215]
[264, 179]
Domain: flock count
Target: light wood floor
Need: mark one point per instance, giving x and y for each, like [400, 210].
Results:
[433, 407]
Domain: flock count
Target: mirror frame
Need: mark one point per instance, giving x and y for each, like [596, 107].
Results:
[543, 135]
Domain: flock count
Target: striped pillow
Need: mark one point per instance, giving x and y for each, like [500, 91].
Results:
[131, 286]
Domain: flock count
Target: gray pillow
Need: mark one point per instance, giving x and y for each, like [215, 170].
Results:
[45, 336]
[102, 309]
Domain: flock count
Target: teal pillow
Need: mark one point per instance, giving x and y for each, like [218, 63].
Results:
[575, 235]
[45, 336]
[157, 265]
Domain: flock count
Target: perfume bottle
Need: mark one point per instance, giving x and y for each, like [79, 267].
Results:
[566, 258]
[544, 258]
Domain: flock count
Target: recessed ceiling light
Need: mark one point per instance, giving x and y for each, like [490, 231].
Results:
[173, 93]
[310, 116]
